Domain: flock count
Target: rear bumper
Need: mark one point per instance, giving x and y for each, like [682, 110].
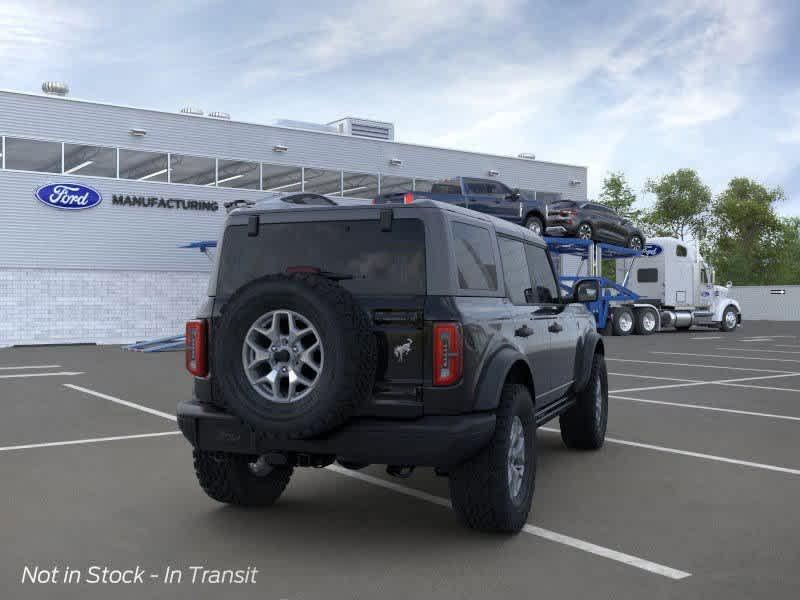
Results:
[436, 441]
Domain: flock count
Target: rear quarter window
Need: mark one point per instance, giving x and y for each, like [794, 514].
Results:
[647, 275]
[474, 257]
[379, 262]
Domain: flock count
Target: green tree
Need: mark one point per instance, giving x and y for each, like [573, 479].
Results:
[618, 195]
[681, 205]
[749, 242]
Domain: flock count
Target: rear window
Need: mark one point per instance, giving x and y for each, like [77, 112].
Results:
[647, 275]
[380, 262]
[445, 188]
[474, 257]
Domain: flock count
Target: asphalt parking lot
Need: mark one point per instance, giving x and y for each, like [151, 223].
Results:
[695, 494]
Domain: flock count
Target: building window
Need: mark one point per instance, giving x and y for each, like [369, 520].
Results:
[396, 185]
[238, 174]
[323, 181]
[360, 185]
[194, 170]
[33, 155]
[90, 160]
[144, 166]
[423, 185]
[280, 178]
[474, 257]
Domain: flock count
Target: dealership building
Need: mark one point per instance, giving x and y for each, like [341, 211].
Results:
[97, 199]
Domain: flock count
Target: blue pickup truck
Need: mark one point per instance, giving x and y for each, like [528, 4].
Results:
[484, 195]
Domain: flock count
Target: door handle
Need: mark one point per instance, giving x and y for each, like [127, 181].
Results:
[555, 327]
[523, 331]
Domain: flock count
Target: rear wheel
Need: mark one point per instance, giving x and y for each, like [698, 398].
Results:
[730, 319]
[622, 320]
[493, 490]
[240, 479]
[535, 224]
[584, 231]
[635, 242]
[583, 425]
[646, 321]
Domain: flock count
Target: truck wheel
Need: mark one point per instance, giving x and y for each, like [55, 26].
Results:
[493, 490]
[293, 355]
[535, 224]
[239, 478]
[646, 321]
[583, 425]
[622, 320]
[730, 319]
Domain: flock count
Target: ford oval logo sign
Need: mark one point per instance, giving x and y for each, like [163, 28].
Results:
[68, 196]
[652, 250]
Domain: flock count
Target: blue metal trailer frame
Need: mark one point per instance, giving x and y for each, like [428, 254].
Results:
[611, 292]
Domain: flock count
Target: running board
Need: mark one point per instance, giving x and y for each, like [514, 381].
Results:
[551, 411]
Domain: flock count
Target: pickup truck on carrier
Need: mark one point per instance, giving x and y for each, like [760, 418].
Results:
[483, 195]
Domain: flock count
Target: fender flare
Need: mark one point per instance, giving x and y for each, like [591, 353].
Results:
[494, 374]
[592, 343]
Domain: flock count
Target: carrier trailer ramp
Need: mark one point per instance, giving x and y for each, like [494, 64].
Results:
[666, 285]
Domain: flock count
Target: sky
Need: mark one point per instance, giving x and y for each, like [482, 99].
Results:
[639, 87]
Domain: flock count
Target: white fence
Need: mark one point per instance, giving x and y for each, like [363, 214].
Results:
[768, 302]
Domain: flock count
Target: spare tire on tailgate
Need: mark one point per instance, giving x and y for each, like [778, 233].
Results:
[293, 355]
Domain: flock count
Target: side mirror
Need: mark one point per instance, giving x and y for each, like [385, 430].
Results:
[586, 290]
[514, 195]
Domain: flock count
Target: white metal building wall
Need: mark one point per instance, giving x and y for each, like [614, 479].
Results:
[768, 303]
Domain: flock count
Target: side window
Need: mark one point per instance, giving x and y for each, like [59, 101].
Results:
[475, 187]
[474, 257]
[515, 270]
[680, 251]
[647, 275]
[703, 276]
[541, 273]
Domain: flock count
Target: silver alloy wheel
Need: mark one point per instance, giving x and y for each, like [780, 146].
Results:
[648, 321]
[598, 400]
[516, 457]
[730, 319]
[535, 226]
[282, 356]
[625, 321]
[636, 243]
[585, 231]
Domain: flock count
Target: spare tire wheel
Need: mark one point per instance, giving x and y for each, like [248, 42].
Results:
[293, 355]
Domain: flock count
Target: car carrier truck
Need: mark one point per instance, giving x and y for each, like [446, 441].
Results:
[667, 285]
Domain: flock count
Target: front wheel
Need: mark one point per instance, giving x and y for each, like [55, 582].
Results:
[493, 491]
[583, 425]
[730, 319]
[535, 224]
[585, 231]
[635, 242]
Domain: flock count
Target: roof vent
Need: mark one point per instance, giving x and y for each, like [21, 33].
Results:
[376, 130]
[192, 110]
[55, 88]
[216, 114]
[527, 155]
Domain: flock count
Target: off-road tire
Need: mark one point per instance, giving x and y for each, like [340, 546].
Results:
[583, 425]
[479, 487]
[227, 478]
[532, 220]
[348, 372]
[616, 318]
[639, 326]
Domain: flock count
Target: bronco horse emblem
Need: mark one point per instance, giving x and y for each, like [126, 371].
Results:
[402, 350]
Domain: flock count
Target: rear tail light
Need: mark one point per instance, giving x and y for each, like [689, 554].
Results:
[448, 353]
[408, 198]
[197, 347]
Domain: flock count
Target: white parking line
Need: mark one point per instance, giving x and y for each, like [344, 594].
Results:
[759, 350]
[653, 377]
[553, 536]
[127, 403]
[793, 360]
[703, 407]
[30, 367]
[732, 382]
[786, 345]
[25, 375]
[87, 441]
[712, 337]
[712, 457]
[677, 364]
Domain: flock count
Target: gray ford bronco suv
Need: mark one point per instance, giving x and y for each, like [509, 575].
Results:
[416, 335]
